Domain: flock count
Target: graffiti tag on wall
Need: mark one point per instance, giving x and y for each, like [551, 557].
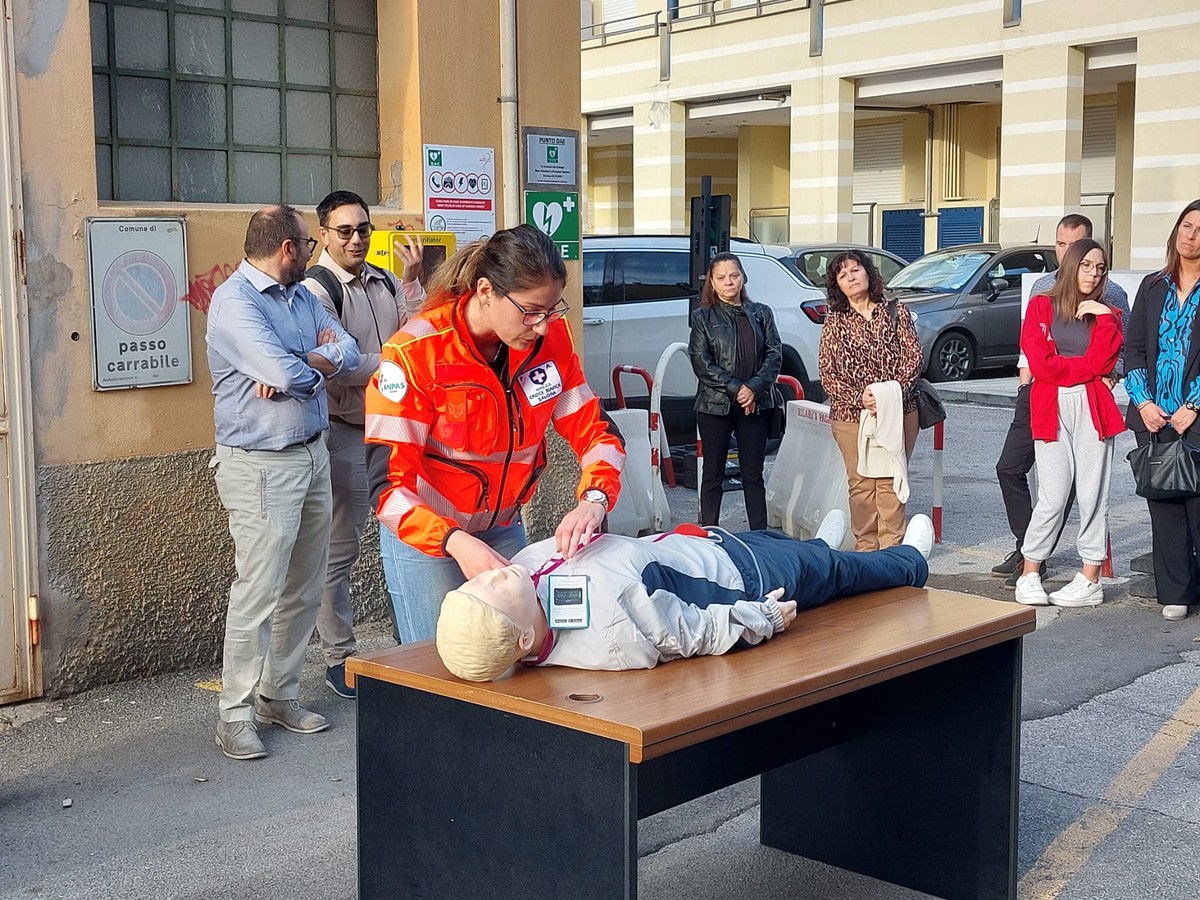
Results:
[200, 288]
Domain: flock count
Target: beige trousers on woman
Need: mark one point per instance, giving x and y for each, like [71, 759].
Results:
[876, 513]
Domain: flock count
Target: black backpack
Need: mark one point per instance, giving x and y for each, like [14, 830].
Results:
[336, 290]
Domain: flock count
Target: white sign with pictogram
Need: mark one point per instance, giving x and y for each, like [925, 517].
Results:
[459, 191]
[141, 336]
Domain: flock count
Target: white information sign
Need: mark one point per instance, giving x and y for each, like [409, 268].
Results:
[460, 191]
[550, 157]
[141, 336]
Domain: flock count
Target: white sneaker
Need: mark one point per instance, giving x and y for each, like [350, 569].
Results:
[919, 534]
[1174, 612]
[1080, 592]
[1029, 590]
[833, 529]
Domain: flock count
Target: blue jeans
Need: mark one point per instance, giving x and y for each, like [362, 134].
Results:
[811, 574]
[417, 582]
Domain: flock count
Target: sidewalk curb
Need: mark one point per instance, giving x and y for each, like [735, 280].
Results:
[996, 392]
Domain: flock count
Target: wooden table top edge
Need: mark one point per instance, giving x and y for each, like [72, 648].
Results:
[649, 742]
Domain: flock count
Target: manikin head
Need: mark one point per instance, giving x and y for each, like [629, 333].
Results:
[489, 623]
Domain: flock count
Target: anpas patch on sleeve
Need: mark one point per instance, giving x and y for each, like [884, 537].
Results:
[392, 383]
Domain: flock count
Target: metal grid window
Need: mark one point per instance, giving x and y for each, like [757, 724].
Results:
[235, 101]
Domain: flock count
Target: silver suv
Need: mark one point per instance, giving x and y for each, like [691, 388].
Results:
[636, 295]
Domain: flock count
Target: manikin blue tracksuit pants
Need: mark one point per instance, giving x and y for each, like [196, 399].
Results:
[811, 573]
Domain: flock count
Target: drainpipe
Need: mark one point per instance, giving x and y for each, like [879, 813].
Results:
[509, 132]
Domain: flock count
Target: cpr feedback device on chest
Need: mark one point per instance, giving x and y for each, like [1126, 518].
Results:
[567, 602]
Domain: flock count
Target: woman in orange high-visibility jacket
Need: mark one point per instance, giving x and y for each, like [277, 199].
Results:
[462, 401]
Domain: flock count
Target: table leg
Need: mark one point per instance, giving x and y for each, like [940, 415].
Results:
[923, 791]
[463, 801]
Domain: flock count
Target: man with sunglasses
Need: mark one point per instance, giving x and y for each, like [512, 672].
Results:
[371, 304]
[271, 347]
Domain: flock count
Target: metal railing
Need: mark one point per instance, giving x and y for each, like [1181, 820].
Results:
[769, 224]
[712, 10]
[643, 25]
[706, 12]
[1099, 208]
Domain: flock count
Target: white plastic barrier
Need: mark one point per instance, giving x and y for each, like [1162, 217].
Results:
[808, 478]
[634, 512]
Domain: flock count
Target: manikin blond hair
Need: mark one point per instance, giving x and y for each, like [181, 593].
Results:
[476, 641]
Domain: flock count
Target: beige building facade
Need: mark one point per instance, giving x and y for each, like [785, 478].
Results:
[909, 126]
[114, 552]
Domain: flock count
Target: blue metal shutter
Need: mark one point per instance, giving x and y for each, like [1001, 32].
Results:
[960, 225]
[904, 232]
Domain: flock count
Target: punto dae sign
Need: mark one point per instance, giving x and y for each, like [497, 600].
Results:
[138, 276]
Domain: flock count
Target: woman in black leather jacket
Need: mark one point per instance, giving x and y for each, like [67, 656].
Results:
[736, 354]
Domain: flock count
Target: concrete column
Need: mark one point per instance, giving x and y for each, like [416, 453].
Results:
[586, 214]
[1041, 134]
[1166, 144]
[763, 166]
[659, 173]
[822, 160]
[1122, 223]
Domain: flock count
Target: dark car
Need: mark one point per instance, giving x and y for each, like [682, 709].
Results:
[967, 302]
[811, 260]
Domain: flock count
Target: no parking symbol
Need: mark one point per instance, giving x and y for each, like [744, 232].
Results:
[140, 293]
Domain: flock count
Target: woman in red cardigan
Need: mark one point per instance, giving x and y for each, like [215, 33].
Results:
[1072, 340]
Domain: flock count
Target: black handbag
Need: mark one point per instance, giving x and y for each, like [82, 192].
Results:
[930, 409]
[1166, 470]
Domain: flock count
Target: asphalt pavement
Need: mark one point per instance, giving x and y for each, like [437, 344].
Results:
[120, 792]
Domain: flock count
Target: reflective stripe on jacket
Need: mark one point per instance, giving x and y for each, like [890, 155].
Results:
[466, 448]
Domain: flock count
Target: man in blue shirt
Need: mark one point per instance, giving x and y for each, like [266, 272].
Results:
[1016, 458]
[271, 345]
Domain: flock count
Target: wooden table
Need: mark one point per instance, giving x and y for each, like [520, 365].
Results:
[885, 727]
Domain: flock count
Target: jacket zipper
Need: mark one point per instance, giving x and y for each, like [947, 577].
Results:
[516, 429]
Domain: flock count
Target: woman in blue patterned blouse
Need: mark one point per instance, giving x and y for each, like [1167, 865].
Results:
[1162, 376]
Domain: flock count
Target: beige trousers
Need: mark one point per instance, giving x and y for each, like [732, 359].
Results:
[876, 513]
[279, 506]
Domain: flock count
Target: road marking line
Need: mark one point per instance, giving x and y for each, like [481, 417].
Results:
[1070, 851]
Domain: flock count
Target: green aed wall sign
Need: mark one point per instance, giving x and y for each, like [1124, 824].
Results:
[555, 213]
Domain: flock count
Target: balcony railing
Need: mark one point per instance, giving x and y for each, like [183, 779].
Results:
[644, 25]
[690, 15]
[711, 11]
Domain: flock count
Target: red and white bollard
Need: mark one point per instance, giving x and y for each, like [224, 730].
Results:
[657, 458]
[939, 438]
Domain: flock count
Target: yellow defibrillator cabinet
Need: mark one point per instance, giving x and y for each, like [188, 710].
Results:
[382, 252]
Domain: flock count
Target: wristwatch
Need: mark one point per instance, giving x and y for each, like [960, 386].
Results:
[1190, 406]
[595, 495]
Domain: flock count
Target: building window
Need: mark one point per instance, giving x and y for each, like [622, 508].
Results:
[235, 101]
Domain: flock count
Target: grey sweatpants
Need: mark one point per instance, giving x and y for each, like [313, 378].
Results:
[1081, 457]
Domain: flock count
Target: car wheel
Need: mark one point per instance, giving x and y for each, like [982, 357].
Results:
[953, 357]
